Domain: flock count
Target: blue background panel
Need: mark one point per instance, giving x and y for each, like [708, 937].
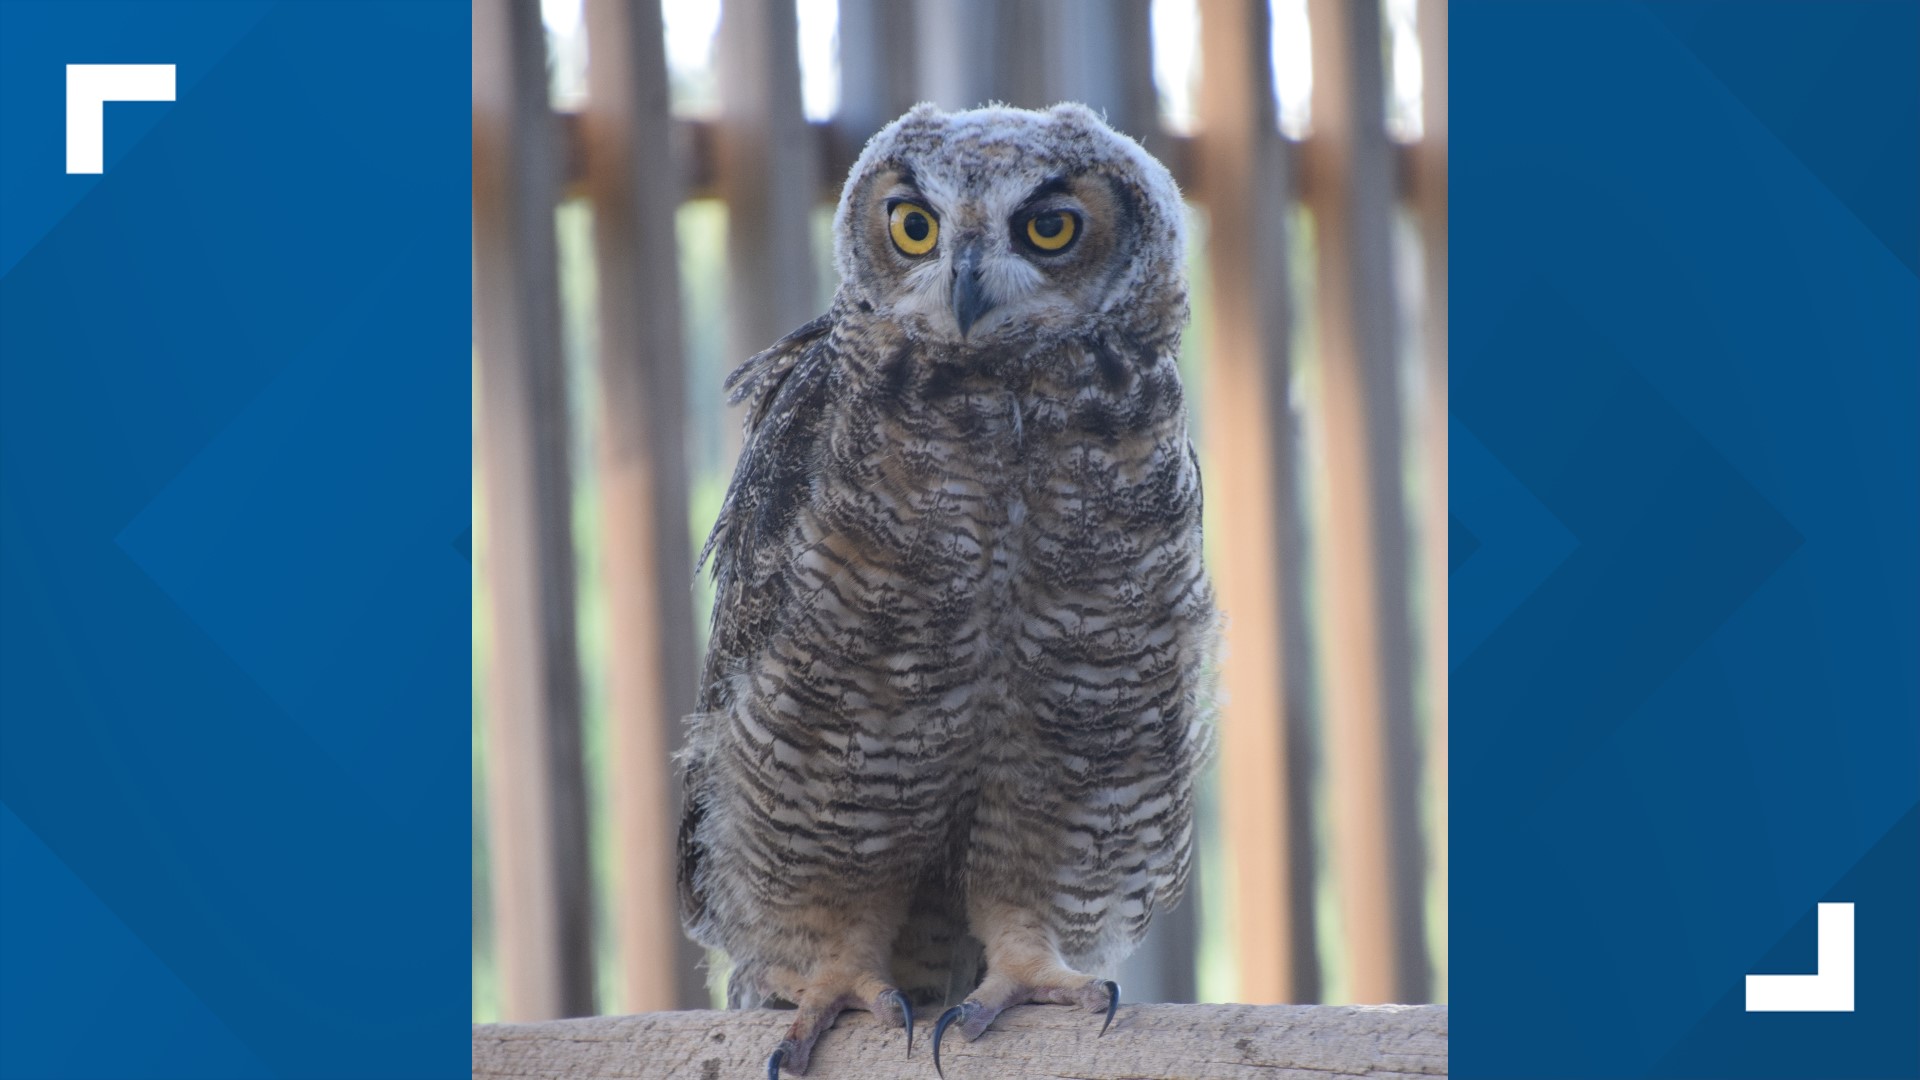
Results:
[234, 488]
[1686, 475]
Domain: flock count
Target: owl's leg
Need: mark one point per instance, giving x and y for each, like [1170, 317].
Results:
[821, 1005]
[1023, 967]
[855, 978]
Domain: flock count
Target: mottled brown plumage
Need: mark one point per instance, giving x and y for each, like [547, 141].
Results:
[957, 683]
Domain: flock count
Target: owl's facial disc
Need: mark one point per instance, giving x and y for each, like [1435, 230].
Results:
[1022, 253]
[1009, 231]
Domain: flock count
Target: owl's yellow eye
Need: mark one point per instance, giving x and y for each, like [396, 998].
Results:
[913, 228]
[1052, 230]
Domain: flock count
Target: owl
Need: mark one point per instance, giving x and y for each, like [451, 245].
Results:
[957, 685]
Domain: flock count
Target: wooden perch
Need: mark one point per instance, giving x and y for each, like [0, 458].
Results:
[1147, 1042]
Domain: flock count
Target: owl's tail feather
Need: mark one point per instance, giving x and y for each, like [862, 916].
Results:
[935, 961]
[968, 967]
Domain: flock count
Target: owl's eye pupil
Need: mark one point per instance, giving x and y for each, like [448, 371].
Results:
[916, 226]
[1048, 225]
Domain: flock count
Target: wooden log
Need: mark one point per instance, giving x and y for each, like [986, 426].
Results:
[635, 189]
[1257, 531]
[536, 775]
[1147, 1042]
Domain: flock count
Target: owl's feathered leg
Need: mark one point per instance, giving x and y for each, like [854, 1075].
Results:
[1023, 967]
[820, 1002]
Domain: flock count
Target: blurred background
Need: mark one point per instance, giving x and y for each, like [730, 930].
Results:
[653, 184]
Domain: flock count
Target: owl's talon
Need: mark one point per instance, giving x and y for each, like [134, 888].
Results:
[1113, 1004]
[906, 1015]
[773, 1062]
[958, 1012]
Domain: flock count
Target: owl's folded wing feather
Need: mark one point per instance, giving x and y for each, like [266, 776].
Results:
[776, 384]
[784, 389]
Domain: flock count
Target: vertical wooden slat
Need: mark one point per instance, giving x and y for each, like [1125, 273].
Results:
[1100, 53]
[633, 182]
[1022, 60]
[535, 772]
[1374, 771]
[766, 158]
[958, 50]
[877, 43]
[1431, 170]
[1130, 99]
[1243, 178]
[1036, 53]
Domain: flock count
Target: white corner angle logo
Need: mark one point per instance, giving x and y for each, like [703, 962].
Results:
[89, 88]
[1829, 988]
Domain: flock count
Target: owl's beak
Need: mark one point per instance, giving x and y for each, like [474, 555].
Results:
[970, 299]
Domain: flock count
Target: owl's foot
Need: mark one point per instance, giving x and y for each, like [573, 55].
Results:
[818, 1011]
[999, 993]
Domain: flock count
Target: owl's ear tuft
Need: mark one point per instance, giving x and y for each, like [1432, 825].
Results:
[1077, 113]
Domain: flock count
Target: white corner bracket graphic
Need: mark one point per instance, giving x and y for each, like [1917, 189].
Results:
[1830, 989]
[89, 88]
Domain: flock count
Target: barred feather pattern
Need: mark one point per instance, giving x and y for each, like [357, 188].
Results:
[961, 646]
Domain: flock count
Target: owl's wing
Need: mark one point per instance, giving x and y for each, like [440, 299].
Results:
[784, 389]
[773, 400]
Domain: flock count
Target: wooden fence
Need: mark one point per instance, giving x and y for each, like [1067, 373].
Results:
[1329, 546]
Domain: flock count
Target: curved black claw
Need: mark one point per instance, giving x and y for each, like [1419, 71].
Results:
[1113, 1005]
[906, 1013]
[940, 1030]
[773, 1063]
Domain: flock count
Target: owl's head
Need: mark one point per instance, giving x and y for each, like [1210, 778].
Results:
[985, 226]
